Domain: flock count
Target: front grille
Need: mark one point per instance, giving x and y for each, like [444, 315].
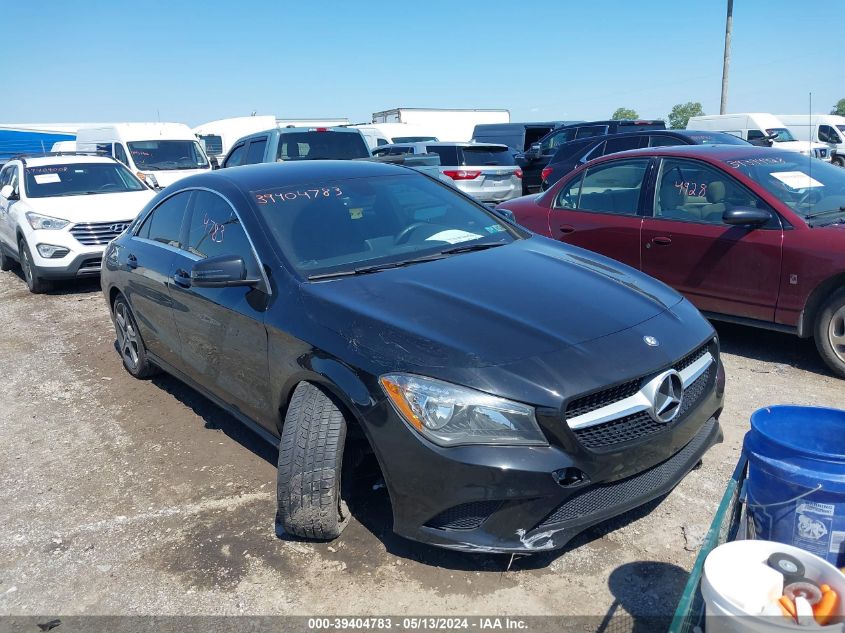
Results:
[640, 486]
[98, 233]
[638, 425]
[466, 516]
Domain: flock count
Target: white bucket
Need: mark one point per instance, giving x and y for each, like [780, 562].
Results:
[724, 566]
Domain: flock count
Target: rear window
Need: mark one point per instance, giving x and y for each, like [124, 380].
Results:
[630, 126]
[321, 145]
[448, 153]
[212, 143]
[714, 138]
[486, 155]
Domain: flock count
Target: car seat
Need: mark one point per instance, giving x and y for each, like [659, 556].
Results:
[712, 212]
[325, 229]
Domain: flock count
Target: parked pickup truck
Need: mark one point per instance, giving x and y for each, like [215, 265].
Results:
[297, 143]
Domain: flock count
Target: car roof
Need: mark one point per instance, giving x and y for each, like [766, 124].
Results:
[70, 159]
[267, 175]
[444, 144]
[715, 152]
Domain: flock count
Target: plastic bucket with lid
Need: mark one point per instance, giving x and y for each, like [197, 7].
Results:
[728, 588]
[795, 488]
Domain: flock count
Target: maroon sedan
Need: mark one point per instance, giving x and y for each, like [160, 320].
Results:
[750, 235]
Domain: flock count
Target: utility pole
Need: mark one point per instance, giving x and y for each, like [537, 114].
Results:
[729, 22]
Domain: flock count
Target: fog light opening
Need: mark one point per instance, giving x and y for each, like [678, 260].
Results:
[571, 477]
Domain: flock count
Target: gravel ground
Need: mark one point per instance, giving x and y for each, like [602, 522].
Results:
[125, 497]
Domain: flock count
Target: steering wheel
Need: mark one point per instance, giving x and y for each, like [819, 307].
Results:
[405, 233]
[807, 195]
[109, 185]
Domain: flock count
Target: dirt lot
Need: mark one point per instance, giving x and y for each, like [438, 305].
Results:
[128, 497]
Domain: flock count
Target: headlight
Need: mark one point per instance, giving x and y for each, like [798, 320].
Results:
[450, 415]
[45, 222]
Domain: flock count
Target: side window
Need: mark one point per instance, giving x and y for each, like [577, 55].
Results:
[620, 144]
[612, 187]
[661, 140]
[569, 194]
[236, 157]
[828, 135]
[255, 154]
[448, 154]
[755, 135]
[694, 192]
[13, 178]
[382, 141]
[120, 154]
[381, 152]
[551, 142]
[590, 131]
[216, 230]
[104, 148]
[595, 152]
[6, 175]
[164, 224]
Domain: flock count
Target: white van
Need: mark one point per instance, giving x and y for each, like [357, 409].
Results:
[759, 128]
[820, 128]
[158, 153]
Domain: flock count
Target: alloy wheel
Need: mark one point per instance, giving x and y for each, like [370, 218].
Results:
[836, 333]
[26, 265]
[127, 337]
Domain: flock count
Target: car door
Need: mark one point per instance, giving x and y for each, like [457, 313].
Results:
[222, 334]
[8, 176]
[599, 209]
[146, 263]
[732, 270]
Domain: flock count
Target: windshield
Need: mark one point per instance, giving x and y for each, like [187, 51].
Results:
[812, 188]
[782, 134]
[487, 155]
[79, 179]
[166, 155]
[715, 138]
[321, 145]
[338, 226]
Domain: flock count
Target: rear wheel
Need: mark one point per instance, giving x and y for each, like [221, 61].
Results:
[34, 281]
[310, 464]
[132, 350]
[830, 332]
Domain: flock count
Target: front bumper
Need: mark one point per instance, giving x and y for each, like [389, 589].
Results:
[85, 264]
[519, 499]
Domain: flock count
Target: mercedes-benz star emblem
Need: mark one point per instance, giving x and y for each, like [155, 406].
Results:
[666, 402]
[651, 341]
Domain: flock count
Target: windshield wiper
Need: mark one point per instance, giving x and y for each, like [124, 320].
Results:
[470, 247]
[374, 268]
[819, 214]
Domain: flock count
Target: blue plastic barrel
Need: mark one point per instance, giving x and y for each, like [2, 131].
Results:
[795, 488]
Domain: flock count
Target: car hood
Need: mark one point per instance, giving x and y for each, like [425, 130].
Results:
[526, 299]
[101, 207]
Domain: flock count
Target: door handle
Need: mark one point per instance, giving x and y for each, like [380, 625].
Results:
[566, 229]
[182, 278]
[662, 241]
[132, 261]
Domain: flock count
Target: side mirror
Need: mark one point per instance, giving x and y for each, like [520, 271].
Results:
[8, 192]
[222, 271]
[746, 216]
[533, 152]
[215, 164]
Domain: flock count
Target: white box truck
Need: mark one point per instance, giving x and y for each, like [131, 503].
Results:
[819, 128]
[377, 134]
[158, 153]
[759, 128]
[445, 124]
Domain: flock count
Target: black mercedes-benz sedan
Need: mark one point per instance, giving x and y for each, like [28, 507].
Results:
[514, 390]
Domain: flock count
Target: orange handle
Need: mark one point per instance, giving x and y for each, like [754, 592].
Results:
[787, 604]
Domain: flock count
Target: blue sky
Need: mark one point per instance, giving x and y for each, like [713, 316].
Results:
[181, 60]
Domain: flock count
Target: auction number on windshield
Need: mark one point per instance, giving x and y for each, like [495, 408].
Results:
[310, 194]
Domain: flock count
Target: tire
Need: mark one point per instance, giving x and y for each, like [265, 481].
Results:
[310, 465]
[130, 346]
[6, 262]
[34, 281]
[839, 160]
[830, 332]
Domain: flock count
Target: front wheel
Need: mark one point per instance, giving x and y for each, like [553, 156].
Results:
[839, 160]
[34, 281]
[310, 464]
[830, 332]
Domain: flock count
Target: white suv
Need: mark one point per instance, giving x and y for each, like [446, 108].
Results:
[57, 213]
